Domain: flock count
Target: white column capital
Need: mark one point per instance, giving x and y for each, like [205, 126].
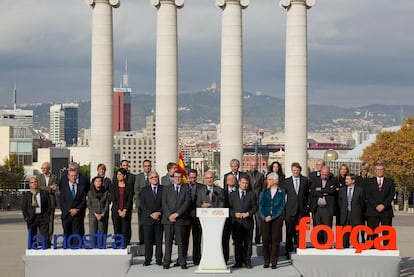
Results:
[286, 4]
[113, 3]
[178, 3]
[222, 3]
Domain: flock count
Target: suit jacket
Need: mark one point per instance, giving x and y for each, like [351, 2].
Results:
[29, 211]
[256, 181]
[181, 205]
[128, 197]
[328, 192]
[249, 205]
[41, 180]
[357, 205]
[226, 197]
[194, 195]
[297, 204]
[375, 196]
[150, 205]
[140, 183]
[217, 199]
[67, 202]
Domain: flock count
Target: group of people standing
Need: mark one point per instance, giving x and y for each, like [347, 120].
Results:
[166, 207]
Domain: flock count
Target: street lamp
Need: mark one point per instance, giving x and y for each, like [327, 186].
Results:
[259, 137]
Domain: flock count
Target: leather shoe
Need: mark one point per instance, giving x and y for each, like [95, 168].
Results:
[146, 263]
[237, 266]
[249, 266]
[166, 266]
[266, 266]
[274, 266]
[184, 266]
[159, 263]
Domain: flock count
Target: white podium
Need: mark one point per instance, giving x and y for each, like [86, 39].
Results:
[212, 222]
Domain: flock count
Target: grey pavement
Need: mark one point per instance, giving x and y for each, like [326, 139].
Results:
[13, 242]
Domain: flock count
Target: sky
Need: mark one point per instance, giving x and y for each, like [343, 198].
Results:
[359, 52]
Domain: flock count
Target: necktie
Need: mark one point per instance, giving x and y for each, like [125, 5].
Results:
[176, 192]
[154, 192]
[379, 184]
[73, 191]
[210, 193]
[242, 197]
[146, 179]
[349, 198]
[297, 186]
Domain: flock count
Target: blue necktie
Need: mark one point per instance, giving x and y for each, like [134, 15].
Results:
[176, 192]
[73, 191]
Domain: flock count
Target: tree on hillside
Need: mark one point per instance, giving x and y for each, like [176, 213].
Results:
[11, 175]
[396, 151]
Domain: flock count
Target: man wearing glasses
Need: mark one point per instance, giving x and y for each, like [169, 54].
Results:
[176, 201]
[151, 212]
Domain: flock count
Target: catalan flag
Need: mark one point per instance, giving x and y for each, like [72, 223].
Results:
[181, 167]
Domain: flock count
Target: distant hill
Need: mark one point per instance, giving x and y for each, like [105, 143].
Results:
[260, 111]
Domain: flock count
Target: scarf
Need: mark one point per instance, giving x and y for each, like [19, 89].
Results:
[34, 199]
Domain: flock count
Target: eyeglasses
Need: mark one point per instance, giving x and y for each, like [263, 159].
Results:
[153, 177]
[179, 176]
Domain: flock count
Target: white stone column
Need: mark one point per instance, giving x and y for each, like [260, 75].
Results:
[231, 92]
[166, 98]
[102, 84]
[296, 83]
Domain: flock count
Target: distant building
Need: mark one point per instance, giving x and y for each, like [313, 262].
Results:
[122, 105]
[64, 124]
[24, 116]
[19, 139]
[137, 146]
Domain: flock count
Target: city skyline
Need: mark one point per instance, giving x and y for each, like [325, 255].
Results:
[359, 53]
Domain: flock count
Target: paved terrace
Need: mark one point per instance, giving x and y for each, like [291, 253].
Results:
[13, 241]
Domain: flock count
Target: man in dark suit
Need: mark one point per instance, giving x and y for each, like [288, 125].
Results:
[141, 181]
[227, 229]
[168, 178]
[35, 208]
[351, 202]
[322, 206]
[72, 204]
[48, 181]
[195, 226]
[234, 169]
[243, 206]
[210, 195]
[297, 205]
[151, 211]
[256, 183]
[379, 192]
[176, 201]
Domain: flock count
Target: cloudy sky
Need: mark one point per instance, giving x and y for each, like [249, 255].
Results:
[360, 52]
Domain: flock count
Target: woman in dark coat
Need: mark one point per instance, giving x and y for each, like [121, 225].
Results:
[122, 195]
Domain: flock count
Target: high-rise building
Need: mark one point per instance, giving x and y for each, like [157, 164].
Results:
[137, 146]
[122, 105]
[64, 123]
